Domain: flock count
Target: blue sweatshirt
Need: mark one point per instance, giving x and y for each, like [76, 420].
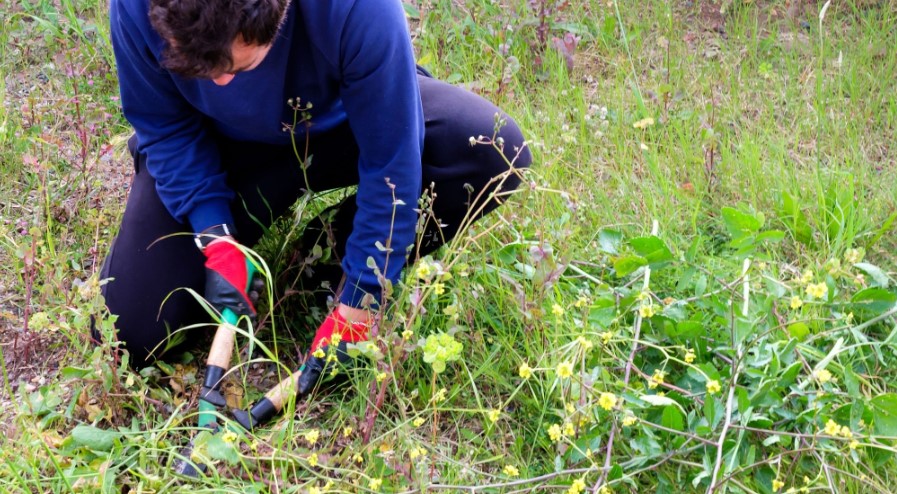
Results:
[352, 59]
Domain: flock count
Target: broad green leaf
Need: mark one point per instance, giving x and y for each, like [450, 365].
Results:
[878, 275]
[884, 412]
[672, 419]
[798, 330]
[652, 249]
[609, 241]
[411, 10]
[94, 438]
[627, 264]
[740, 224]
[877, 300]
[220, 449]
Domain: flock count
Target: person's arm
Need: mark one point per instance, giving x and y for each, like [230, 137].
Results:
[181, 155]
[382, 101]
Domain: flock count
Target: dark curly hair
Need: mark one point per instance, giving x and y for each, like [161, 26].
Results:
[199, 33]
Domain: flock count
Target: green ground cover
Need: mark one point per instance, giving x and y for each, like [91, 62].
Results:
[692, 292]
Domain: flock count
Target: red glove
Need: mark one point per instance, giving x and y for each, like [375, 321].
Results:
[335, 328]
[228, 278]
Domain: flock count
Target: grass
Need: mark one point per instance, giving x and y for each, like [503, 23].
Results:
[717, 283]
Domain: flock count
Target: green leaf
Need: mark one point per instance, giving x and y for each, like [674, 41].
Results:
[627, 264]
[878, 276]
[609, 241]
[672, 419]
[652, 249]
[798, 330]
[876, 300]
[616, 472]
[94, 438]
[884, 413]
[740, 224]
[74, 372]
[220, 449]
[411, 10]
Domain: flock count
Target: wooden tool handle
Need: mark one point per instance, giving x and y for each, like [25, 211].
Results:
[222, 347]
[279, 394]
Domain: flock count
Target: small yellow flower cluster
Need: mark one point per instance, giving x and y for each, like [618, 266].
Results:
[581, 302]
[584, 343]
[565, 370]
[647, 311]
[229, 437]
[833, 429]
[407, 335]
[375, 484]
[822, 376]
[416, 453]
[577, 487]
[557, 310]
[796, 302]
[440, 395]
[418, 422]
[777, 485]
[657, 379]
[347, 431]
[605, 490]
[312, 436]
[629, 420]
[381, 376]
[494, 415]
[853, 256]
[313, 460]
[806, 277]
[817, 290]
[689, 356]
[511, 471]
[569, 430]
[644, 123]
[525, 371]
[607, 401]
[606, 337]
[555, 433]
[713, 387]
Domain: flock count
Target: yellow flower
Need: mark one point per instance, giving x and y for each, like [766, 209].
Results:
[817, 290]
[314, 490]
[554, 432]
[375, 484]
[407, 335]
[586, 344]
[713, 387]
[557, 310]
[629, 420]
[854, 444]
[438, 288]
[777, 485]
[832, 428]
[577, 487]
[644, 123]
[440, 395]
[229, 437]
[525, 371]
[565, 370]
[569, 430]
[416, 453]
[312, 436]
[347, 431]
[845, 432]
[806, 277]
[380, 377]
[689, 356]
[606, 337]
[319, 353]
[570, 408]
[607, 401]
[511, 471]
[796, 302]
[823, 376]
[605, 490]
[647, 311]
[581, 302]
[313, 460]
[657, 378]
[494, 415]
[358, 458]
[418, 422]
[853, 256]
[423, 270]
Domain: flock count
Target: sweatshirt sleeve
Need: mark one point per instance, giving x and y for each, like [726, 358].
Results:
[381, 98]
[181, 155]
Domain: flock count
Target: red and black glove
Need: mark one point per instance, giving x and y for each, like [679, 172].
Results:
[229, 278]
[334, 330]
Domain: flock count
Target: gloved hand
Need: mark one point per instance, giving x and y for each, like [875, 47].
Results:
[336, 332]
[229, 277]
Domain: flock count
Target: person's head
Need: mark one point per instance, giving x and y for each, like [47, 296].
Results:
[215, 39]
